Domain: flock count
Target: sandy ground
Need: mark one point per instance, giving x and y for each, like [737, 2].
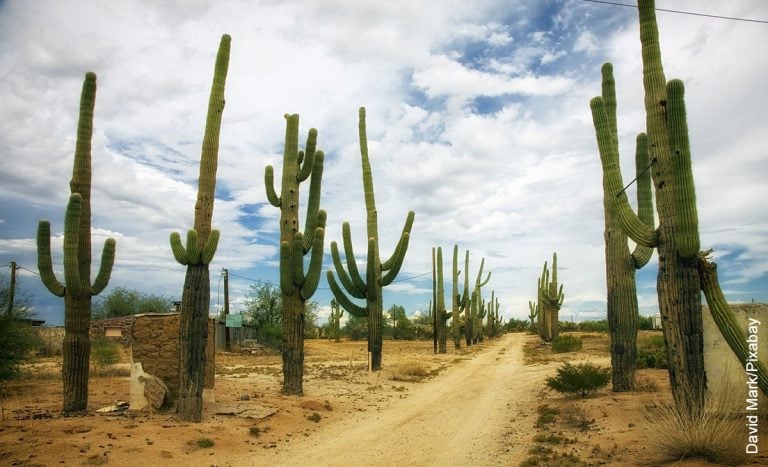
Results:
[478, 407]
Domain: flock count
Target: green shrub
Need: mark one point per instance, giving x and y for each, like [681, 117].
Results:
[594, 326]
[17, 339]
[582, 379]
[651, 352]
[204, 443]
[104, 353]
[566, 343]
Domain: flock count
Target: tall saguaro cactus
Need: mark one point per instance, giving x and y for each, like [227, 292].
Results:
[296, 285]
[198, 253]
[676, 238]
[335, 319]
[442, 315]
[550, 299]
[77, 289]
[475, 306]
[378, 273]
[458, 300]
[620, 264]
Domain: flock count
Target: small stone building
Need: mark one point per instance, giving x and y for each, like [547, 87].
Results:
[155, 344]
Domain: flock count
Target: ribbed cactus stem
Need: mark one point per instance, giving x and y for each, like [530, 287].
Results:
[458, 301]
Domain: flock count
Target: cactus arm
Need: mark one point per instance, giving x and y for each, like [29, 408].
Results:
[354, 273]
[269, 183]
[315, 265]
[206, 256]
[372, 290]
[687, 238]
[346, 303]
[308, 158]
[725, 321]
[71, 245]
[398, 261]
[286, 281]
[641, 254]
[639, 232]
[313, 218]
[402, 244]
[487, 278]
[297, 260]
[44, 261]
[179, 252]
[193, 251]
[343, 276]
[105, 268]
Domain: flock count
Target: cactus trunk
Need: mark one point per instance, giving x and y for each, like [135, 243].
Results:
[441, 325]
[76, 288]
[193, 336]
[458, 301]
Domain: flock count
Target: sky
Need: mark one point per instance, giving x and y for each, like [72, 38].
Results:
[478, 121]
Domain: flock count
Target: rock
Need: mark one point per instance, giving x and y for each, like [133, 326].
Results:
[155, 390]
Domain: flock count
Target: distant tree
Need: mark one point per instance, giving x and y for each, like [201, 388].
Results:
[264, 309]
[17, 338]
[402, 328]
[123, 301]
[644, 322]
[422, 325]
[355, 328]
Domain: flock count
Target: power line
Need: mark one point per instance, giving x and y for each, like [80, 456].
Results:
[692, 13]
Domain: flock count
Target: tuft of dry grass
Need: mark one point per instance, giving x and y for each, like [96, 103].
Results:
[715, 434]
[409, 371]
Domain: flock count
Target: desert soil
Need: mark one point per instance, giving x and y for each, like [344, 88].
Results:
[477, 406]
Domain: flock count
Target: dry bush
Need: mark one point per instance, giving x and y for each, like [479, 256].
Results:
[409, 371]
[715, 434]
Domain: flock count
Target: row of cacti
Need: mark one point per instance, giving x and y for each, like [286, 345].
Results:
[468, 311]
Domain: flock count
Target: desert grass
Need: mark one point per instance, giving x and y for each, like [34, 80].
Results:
[715, 433]
[410, 371]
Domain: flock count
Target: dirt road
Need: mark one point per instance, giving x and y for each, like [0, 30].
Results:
[479, 412]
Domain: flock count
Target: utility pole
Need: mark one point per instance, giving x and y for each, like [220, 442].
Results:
[12, 289]
[227, 341]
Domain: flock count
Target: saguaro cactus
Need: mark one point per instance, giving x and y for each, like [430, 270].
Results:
[550, 299]
[296, 285]
[620, 264]
[200, 247]
[77, 289]
[533, 313]
[458, 301]
[475, 305]
[442, 314]
[335, 319]
[677, 236]
[378, 273]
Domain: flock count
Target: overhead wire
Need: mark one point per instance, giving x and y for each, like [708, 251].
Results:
[681, 12]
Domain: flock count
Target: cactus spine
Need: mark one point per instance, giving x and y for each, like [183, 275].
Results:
[458, 301]
[676, 238]
[198, 253]
[550, 299]
[77, 289]
[620, 264]
[442, 317]
[296, 285]
[378, 273]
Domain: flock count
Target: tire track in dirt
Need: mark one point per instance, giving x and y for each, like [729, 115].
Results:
[480, 411]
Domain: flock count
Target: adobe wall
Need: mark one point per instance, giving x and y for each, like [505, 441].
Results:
[724, 371]
[156, 346]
